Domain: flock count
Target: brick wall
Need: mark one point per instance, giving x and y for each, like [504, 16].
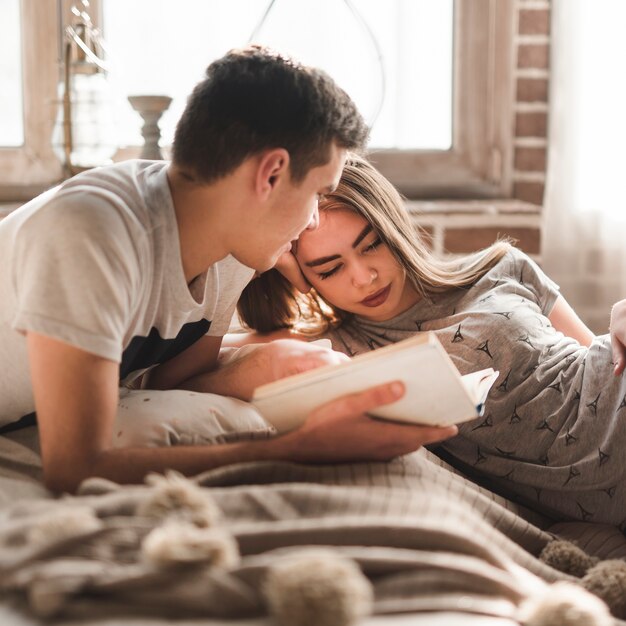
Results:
[458, 227]
[531, 107]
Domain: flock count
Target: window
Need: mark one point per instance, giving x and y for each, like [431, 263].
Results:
[11, 118]
[444, 128]
[29, 78]
[479, 163]
[393, 57]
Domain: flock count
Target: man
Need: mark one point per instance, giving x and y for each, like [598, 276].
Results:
[136, 269]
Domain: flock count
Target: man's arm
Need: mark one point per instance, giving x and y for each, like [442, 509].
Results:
[200, 357]
[76, 395]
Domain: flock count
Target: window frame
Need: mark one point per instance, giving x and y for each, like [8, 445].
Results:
[479, 164]
[32, 167]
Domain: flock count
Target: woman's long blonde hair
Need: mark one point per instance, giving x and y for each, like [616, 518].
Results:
[270, 302]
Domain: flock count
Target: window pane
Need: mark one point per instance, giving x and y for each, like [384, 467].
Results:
[11, 117]
[163, 47]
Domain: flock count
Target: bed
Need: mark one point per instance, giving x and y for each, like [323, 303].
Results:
[428, 546]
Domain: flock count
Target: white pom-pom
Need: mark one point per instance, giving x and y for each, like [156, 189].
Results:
[564, 604]
[175, 497]
[607, 580]
[63, 524]
[567, 557]
[177, 543]
[45, 602]
[317, 588]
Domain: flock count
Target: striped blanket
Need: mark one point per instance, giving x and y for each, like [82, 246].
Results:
[425, 537]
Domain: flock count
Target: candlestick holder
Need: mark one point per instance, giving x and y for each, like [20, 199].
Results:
[150, 108]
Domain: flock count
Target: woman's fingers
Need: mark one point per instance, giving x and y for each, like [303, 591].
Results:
[288, 266]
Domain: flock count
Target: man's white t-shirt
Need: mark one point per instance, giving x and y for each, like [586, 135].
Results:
[96, 263]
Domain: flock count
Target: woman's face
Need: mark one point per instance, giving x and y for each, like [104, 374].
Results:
[347, 263]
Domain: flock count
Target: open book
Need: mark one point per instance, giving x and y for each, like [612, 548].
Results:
[436, 393]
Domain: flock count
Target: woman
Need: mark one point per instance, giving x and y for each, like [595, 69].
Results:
[553, 428]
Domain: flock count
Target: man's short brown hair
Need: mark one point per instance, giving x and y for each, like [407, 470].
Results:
[255, 99]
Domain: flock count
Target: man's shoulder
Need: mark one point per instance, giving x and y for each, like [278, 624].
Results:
[118, 196]
[135, 184]
[128, 171]
[72, 215]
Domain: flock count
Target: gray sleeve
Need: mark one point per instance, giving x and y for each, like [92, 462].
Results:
[75, 274]
[544, 289]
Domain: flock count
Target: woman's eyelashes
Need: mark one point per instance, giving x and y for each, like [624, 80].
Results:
[370, 247]
[373, 245]
[329, 273]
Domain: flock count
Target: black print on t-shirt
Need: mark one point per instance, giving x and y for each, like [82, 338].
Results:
[144, 352]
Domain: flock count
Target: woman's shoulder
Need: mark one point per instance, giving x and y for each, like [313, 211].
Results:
[511, 260]
[516, 254]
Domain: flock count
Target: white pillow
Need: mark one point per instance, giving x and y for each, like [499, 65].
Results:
[179, 417]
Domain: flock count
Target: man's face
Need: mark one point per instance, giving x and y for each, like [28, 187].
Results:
[293, 209]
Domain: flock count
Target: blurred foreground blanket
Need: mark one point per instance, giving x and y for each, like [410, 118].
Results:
[425, 538]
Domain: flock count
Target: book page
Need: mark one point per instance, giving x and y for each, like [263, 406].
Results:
[478, 385]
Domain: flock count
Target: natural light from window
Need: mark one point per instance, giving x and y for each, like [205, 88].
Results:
[11, 109]
[163, 47]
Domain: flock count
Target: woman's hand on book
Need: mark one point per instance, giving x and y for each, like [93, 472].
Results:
[287, 357]
[261, 363]
[341, 431]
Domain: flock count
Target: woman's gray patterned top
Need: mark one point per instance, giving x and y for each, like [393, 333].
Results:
[554, 428]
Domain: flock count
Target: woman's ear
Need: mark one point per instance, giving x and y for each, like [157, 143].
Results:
[273, 167]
